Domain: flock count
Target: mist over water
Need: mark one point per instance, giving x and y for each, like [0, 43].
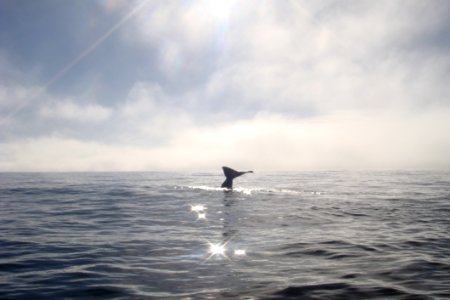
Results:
[304, 235]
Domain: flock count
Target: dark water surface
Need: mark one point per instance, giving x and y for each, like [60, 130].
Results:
[311, 235]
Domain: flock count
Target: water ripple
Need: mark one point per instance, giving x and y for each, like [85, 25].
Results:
[311, 235]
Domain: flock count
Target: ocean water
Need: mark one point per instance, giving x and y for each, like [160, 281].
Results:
[305, 235]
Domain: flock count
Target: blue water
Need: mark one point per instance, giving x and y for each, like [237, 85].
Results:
[305, 235]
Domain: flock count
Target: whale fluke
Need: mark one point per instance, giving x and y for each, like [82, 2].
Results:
[230, 174]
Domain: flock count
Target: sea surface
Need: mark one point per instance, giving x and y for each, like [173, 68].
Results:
[304, 235]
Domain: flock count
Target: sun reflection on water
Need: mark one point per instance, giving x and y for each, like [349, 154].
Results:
[240, 252]
[218, 250]
[198, 208]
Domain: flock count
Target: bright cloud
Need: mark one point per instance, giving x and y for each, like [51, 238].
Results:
[279, 85]
[271, 142]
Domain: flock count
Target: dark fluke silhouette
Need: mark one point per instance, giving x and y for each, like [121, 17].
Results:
[230, 174]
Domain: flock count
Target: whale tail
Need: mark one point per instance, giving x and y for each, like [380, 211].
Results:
[230, 174]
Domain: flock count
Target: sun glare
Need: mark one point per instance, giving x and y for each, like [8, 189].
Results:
[219, 9]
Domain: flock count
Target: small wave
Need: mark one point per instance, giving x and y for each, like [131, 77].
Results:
[338, 290]
[418, 269]
[42, 191]
[95, 292]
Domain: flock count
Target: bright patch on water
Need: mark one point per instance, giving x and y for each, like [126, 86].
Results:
[254, 190]
[198, 208]
[217, 249]
[240, 252]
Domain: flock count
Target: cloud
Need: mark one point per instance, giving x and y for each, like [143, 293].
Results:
[115, 5]
[150, 116]
[13, 95]
[341, 57]
[15, 90]
[348, 140]
[293, 85]
[70, 110]
[182, 34]
[300, 57]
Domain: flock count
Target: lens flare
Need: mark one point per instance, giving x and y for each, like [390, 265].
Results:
[217, 249]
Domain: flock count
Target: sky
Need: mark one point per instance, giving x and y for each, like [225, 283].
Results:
[115, 85]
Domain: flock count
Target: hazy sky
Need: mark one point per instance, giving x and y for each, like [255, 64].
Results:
[194, 85]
